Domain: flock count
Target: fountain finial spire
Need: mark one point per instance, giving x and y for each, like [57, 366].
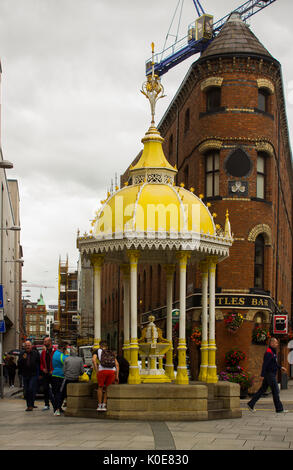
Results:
[152, 87]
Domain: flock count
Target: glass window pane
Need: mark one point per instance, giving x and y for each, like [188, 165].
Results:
[260, 164]
[216, 185]
[210, 163]
[209, 185]
[260, 186]
[216, 161]
[262, 99]
[213, 98]
[258, 277]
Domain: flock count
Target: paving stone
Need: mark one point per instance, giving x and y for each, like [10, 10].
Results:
[251, 437]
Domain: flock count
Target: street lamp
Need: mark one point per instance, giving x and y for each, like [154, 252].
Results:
[15, 228]
[6, 164]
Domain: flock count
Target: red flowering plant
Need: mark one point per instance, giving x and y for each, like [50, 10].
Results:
[196, 336]
[234, 372]
[239, 376]
[260, 335]
[233, 321]
[233, 357]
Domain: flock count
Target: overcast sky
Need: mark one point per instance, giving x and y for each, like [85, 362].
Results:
[73, 115]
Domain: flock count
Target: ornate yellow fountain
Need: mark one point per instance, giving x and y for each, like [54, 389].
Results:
[152, 347]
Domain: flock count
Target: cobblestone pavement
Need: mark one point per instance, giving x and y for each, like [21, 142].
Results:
[41, 430]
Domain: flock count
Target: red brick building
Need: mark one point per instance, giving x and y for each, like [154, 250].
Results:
[226, 131]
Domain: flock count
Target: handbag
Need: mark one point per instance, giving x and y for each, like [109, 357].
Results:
[84, 377]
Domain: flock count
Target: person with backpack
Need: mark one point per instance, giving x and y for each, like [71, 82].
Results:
[107, 371]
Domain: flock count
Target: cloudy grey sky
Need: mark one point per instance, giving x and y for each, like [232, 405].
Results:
[72, 113]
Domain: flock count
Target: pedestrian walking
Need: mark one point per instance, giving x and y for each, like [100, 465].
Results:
[11, 367]
[29, 366]
[58, 359]
[270, 367]
[73, 368]
[20, 381]
[46, 371]
[107, 371]
[5, 369]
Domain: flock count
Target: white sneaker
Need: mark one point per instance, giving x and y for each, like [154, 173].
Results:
[57, 413]
[283, 411]
[250, 409]
[104, 407]
[99, 407]
[46, 408]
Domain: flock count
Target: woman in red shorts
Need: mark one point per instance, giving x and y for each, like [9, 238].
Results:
[107, 370]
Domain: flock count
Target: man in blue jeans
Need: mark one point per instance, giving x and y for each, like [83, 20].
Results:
[269, 370]
[29, 366]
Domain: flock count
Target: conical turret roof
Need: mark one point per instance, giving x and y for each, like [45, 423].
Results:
[235, 37]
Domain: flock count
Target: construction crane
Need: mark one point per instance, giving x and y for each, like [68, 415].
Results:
[40, 286]
[200, 34]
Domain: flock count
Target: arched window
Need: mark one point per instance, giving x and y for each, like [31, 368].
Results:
[259, 262]
[213, 95]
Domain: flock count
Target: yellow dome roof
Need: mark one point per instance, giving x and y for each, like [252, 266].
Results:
[153, 208]
[153, 155]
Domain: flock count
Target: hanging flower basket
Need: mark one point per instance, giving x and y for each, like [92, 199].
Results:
[233, 321]
[260, 335]
[196, 336]
[233, 357]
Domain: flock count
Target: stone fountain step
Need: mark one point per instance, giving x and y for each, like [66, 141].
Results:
[160, 402]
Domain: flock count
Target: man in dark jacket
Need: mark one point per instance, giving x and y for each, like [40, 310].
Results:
[269, 370]
[29, 365]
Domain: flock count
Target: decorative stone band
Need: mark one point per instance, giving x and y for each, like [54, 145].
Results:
[218, 143]
[211, 82]
[207, 244]
[154, 176]
[267, 84]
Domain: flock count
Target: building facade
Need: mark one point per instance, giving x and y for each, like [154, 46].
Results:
[227, 133]
[10, 257]
[35, 320]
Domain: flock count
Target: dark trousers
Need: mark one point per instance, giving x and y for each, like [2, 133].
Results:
[48, 394]
[30, 385]
[64, 388]
[11, 377]
[57, 392]
[269, 380]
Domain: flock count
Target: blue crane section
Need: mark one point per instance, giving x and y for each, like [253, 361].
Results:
[200, 34]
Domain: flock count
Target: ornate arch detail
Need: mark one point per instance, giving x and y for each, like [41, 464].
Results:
[261, 229]
[267, 84]
[252, 314]
[211, 82]
[265, 147]
[210, 144]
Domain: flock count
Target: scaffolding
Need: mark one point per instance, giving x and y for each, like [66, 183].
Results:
[67, 302]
